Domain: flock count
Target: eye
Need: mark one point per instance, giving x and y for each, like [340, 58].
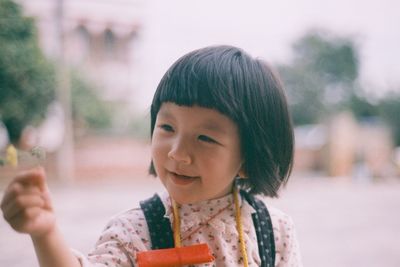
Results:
[166, 127]
[207, 139]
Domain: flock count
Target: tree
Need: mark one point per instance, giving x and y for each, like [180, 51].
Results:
[322, 75]
[386, 109]
[389, 110]
[27, 79]
[89, 111]
[322, 79]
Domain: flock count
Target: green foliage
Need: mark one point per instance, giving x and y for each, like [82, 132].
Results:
[362, 108]
[333, 59]
[88, 109]
[27, 79]
[389, 111]
[321, 77]
[322, 80]
[139, 127]
[304, 94]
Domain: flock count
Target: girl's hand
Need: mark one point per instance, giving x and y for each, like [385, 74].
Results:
[26, 204]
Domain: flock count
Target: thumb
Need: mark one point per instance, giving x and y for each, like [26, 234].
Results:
[39, 179]
[35, 176]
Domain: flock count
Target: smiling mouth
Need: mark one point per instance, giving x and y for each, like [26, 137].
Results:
[182, 179]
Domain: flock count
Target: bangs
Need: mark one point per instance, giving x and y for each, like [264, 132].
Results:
[186, 87]
[198, 80]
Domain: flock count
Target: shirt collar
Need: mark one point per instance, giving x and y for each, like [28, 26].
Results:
[206, 207]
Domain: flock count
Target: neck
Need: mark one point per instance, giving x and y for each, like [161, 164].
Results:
[176, 224]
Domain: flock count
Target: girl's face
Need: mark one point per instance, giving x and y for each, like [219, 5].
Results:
[196, 152]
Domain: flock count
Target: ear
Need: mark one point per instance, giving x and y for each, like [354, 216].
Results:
[242, 174]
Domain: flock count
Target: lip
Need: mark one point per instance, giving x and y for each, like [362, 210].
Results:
[181, 179]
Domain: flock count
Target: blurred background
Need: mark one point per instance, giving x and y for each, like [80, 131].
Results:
[77, 78]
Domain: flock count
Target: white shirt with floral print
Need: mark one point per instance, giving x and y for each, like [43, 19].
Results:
[127, 233]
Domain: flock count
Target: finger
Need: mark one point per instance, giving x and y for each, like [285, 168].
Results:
[47, 200]
[34, 176]
[34, 221]
[12, 190]
[21, 203]
[24, 221]
[16, 189]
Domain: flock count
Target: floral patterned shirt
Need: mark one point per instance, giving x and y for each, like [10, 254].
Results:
[127, 233]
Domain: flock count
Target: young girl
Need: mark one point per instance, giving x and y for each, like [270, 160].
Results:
[221, 134]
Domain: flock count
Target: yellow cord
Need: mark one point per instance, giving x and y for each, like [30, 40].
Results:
[177, 226]
[240, 227]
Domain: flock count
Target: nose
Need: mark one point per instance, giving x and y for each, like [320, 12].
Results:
[179, 151]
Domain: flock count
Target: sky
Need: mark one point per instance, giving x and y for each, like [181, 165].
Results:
[267, 29]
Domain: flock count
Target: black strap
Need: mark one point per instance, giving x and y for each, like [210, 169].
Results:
[265, 233]
[161, 234]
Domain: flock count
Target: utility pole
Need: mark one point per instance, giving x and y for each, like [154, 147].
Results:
[65, 155]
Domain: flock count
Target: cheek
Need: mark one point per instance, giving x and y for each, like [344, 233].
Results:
[222, 161]
[233, 162]
[157, 149]
[160, 147]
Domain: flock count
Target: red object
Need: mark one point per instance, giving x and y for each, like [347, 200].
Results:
[170, 257]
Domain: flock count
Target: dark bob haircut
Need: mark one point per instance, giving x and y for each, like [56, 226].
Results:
[227, 79]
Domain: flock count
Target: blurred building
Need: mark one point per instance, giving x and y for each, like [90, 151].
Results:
[344, 147]
[100, 40]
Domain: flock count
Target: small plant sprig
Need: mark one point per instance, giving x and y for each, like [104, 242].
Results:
[13, 157]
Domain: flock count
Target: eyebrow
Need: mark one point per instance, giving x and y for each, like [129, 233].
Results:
[214, 127]
[164, 113]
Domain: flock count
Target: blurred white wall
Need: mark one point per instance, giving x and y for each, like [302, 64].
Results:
[168, 29]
